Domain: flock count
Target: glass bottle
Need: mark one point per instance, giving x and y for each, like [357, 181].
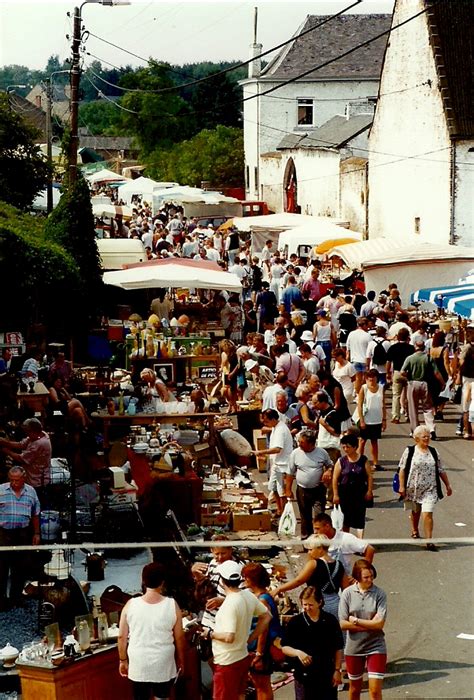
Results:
[83, 636]
[102, 628]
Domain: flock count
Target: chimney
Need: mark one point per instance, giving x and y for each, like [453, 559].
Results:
[38, 101]
[255, 66]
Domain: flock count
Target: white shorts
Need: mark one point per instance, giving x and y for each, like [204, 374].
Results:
[276, 480]
[427, 506]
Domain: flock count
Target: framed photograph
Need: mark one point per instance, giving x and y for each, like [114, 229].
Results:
[165, 372]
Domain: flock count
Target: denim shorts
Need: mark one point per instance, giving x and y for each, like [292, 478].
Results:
[360, 366]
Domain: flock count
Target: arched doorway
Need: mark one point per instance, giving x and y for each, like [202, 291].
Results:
[290, 184]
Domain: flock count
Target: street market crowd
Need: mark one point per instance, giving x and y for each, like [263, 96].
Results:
[320, 357]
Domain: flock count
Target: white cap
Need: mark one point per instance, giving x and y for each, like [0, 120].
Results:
[230, 571]
[250, 364]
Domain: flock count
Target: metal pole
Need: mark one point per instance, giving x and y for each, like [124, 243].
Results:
[74, 103]
[49, 145]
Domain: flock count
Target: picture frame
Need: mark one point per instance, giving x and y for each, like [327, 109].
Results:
[165, 371]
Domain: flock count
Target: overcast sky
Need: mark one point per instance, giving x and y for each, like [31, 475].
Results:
[178, 32]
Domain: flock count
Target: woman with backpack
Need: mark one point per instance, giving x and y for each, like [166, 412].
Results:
[420, 474]
[352, 484]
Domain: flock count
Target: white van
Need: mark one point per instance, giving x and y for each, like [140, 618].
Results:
[116, 252]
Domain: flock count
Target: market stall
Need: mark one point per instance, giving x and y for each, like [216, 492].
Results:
[385, 260]
[269, 226]
[174, 272]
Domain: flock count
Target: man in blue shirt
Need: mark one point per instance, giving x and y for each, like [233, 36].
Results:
[19, 525]
[291, 293]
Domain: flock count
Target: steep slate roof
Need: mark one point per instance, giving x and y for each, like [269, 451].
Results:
[333, 38]
[335, 133]
[32, 114]
[450, 25]
[113, 143]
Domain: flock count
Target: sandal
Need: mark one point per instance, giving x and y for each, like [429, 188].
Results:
[415, 535]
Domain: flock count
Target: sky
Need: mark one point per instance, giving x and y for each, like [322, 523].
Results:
[177, 32]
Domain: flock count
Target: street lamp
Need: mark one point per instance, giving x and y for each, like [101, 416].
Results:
[75, 79]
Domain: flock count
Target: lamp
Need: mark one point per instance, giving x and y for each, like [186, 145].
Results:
[75, 78]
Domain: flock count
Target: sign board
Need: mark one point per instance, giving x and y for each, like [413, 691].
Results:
[209, 372]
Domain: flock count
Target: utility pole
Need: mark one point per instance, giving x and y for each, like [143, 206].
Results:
[74, 100]
[48, 88]
[75, 80]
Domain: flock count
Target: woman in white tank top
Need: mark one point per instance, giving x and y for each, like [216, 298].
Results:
[151, 638]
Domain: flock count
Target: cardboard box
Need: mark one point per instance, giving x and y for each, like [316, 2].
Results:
[211, 515]
[252, 521]
[122, 497]
[260, 443]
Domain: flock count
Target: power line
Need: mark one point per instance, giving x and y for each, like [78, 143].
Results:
[231, 68]
[307, 72]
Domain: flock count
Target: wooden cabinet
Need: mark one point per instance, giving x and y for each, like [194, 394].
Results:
[91, 677]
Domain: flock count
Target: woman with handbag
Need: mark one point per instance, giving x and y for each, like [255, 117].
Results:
[266, 646]
[322, 571]
[352, 485]
[420, 474]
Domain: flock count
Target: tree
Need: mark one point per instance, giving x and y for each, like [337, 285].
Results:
[101, 118]
[216, 101]
[23, 169]
[35, 273]
[216, 156]
[157, 120]
[71, 225]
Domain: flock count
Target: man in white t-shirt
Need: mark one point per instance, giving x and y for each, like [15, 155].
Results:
[312, 469]
[356, 347]
[343, 544]
[280, 448]
[231, 634]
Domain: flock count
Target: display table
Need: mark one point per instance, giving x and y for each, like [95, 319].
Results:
[106, 420]
[36, 401]
[93, 676]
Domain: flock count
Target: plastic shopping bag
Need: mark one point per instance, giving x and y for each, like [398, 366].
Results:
[287, 524]
[337, 518]
[448, 391]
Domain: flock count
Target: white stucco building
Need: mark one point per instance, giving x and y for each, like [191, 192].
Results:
[306, 85]
[421, 159]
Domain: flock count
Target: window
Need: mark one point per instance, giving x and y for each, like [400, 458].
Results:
[305, 112]
[256, 179]
[417, 224]
[247, 177]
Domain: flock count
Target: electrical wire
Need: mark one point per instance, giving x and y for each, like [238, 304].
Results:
[238, 65]
[307, 72]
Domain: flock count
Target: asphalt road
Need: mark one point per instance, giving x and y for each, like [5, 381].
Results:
[430, 594]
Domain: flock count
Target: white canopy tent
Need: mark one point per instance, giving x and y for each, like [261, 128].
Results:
[174, 272]
[104, 175]
[311, 235]
[198, 202]
[269, 226]
[411, 266]
[111, 211]
[272, 222]
[142, 186]
[40, 202]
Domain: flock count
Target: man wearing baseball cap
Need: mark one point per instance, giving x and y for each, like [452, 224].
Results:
[231, 634]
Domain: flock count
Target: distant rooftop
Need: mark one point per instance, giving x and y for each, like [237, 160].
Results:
[335, 133]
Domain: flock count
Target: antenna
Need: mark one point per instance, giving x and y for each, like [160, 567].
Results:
[255, 21]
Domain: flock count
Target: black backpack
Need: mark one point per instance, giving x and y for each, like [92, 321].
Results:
[380, 354]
